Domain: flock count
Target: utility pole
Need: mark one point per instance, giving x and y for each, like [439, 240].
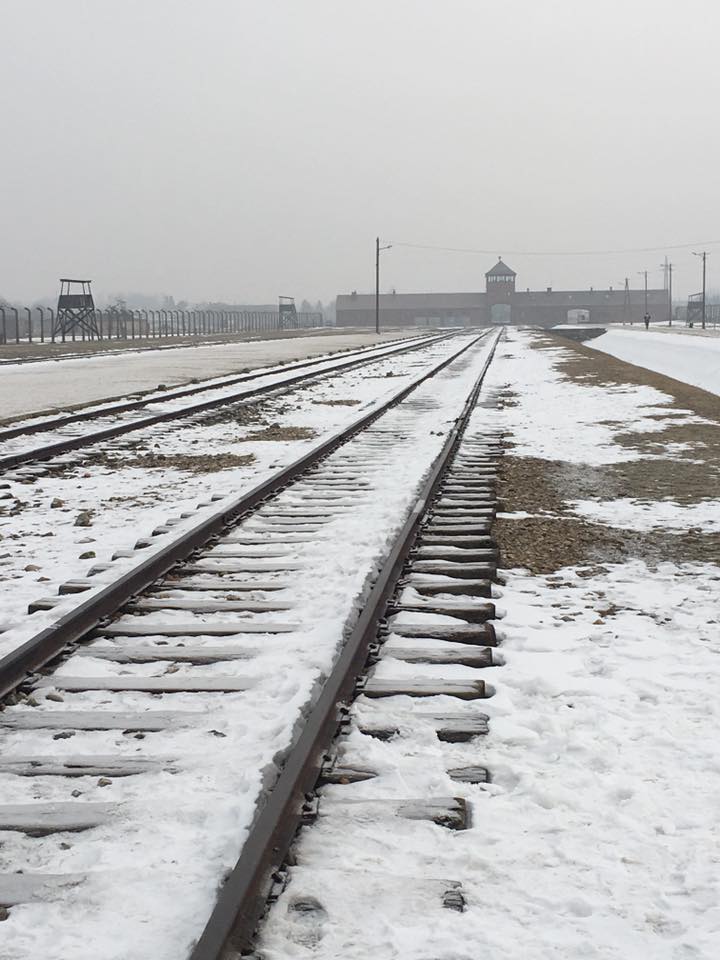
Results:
[668, 269]
[704, 259]
[627, 310]
[378, 248]
[646, 317]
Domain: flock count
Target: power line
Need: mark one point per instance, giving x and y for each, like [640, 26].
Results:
[556, 253]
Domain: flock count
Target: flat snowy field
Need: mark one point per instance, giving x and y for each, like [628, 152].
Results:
[694, 360]
[33, 387]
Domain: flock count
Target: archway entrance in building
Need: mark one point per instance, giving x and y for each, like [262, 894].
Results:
[578, 316]
[500, 313]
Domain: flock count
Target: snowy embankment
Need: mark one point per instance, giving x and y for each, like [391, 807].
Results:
[30, 389]
[694, 360]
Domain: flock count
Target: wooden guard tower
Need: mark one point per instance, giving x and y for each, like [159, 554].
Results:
[288, 313]
[76, 310]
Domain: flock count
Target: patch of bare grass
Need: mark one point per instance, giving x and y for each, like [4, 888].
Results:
[276, 432]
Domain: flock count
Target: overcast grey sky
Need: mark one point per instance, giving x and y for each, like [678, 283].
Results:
[236, 150]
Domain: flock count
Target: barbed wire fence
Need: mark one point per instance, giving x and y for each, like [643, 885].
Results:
[35, 324]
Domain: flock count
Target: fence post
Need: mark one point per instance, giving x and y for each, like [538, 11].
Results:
[42, 323]
[4, 325]
[29, 313]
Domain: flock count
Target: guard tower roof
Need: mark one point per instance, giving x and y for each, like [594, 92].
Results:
[500, 270]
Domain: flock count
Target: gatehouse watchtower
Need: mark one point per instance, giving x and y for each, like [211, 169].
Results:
[500, 283]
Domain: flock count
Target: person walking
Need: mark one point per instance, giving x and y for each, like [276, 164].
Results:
[646, 318]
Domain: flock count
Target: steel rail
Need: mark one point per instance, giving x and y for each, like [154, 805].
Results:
[97, 413]
[241, 902]
[59, 447]
[44, 646]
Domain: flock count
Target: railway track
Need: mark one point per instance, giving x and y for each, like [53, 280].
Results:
[232, 630]
[60, 435]
[330, 849]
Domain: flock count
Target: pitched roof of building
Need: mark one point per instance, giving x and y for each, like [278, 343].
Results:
[500, 270]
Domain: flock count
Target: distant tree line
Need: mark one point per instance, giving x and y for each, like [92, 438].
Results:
[143, 301]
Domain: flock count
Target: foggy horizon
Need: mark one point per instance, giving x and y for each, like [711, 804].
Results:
[233, 151]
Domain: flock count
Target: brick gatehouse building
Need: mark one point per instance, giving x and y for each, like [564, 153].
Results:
[502, 303]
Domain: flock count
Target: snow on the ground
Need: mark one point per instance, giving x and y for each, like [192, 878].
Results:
[681, 330]
[29, 388]
[577, 423]
[40, 546]
[631, 514]
[163, 402]
[603, 730]
[606, 775]
[694, 360]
